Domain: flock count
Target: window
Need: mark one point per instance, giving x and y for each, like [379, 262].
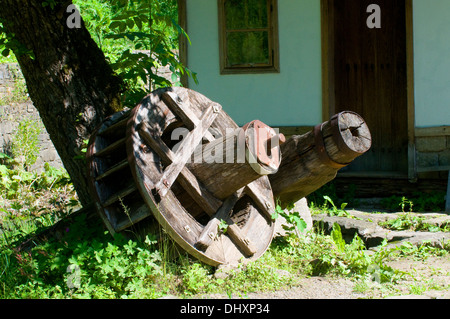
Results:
[248, 36]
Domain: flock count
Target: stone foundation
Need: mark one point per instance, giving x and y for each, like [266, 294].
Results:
[16, 109]
[432, 150]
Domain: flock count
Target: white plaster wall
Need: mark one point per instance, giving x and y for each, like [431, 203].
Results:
[292, 97]
[432, 62]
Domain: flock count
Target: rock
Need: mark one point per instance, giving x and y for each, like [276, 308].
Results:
[373, 235]
[369, 232]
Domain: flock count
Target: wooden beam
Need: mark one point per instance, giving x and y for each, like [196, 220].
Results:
[187, 180]
[182, 41]
[327, 37]
[186, 149]
[412, 169]
[432, 131]
[447, 199]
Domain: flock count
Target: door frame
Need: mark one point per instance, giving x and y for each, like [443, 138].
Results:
[328, 98]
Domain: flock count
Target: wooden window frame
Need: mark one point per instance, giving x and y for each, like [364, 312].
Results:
[273, 66]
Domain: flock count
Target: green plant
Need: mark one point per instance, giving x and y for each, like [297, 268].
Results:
[18, 94]
[25, 143]
[138, 37]
[417, 202]
[409, 221]
[333, 210]
[295, 223]
[196, 278]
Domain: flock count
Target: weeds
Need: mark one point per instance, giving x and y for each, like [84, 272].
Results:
[418, 202]
[86, 262]
[409, 221]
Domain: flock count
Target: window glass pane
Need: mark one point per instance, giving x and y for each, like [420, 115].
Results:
[248, 48]
[246, 14]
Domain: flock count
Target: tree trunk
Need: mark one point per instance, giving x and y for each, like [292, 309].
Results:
[69, 80]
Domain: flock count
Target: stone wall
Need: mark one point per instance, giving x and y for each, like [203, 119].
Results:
[14, 107]
[432, 150]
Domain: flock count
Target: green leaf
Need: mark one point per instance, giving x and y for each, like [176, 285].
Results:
[301, 225]
[122, 26]
[138, 22]
[130, 23]
[115, 24]
[336, 235]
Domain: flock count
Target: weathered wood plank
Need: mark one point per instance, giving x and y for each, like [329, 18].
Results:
[149, 162]
[119, 195]
[113, 169]
[116, 128]
[110, 148]
[135, 216]
[211, 229]
[186, 148]
[182, 109]
[187, 180]
[240, 157]
[262, 195]
[209, 233]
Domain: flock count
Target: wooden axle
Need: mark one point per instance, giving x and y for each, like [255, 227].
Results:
[228, 163]
[313, 159]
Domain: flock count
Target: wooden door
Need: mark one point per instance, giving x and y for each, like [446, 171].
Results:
[369, 77]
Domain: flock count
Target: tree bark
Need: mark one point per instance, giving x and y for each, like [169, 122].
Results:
[69, 80]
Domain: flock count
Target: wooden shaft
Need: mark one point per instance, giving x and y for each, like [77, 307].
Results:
[313, 159]
[211, 230]
[227, 164]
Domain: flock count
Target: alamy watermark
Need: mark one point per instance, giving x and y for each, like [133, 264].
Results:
[74, 279]
[374, 19]
[74, 19]
[233, 147]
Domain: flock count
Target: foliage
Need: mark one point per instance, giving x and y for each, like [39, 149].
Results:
[329, 207]
[137, 37]
[409, 221]
[295, 222]
[25, 143]
[30, 201]
[417, 202]
[86, 262]
[18, 93]
[317, 199]
[9, 44]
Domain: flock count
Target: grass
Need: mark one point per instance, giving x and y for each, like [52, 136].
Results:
[86, 262]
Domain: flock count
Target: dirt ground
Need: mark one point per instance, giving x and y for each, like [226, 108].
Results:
[424, 279]
[429, 279]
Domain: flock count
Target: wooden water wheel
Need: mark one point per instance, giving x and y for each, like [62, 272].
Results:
[136, 162]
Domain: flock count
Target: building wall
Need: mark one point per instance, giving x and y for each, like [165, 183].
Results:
[432, 62]
[291, 98]
[432, 85]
